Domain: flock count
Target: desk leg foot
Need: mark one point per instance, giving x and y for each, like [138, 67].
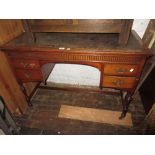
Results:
[30, 104]
[126, 99]
[123, 114]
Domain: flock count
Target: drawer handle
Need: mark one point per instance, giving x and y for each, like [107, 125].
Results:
[118, 82]
[26, 65]
[27, 75]
[120, 70]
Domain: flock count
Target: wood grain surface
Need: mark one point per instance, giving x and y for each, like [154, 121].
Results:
[94, 115]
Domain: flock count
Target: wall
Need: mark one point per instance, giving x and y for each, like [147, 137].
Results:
[75, 74]
[140, 26]
[85, 75]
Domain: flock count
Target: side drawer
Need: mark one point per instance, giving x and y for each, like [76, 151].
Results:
[25, 64]
[120, 69]
[29, 74]
[119, 82]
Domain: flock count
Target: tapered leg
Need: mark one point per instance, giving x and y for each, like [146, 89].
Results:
[126, 99]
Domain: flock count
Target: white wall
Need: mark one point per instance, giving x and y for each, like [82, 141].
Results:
[86, 75]
[75, 74]
[140, 26]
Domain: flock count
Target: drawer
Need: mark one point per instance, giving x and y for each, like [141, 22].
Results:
[119, 82]
[29, 74]
[25, 64]
[119, 69]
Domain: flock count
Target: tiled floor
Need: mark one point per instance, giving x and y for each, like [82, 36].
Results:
[43, 119]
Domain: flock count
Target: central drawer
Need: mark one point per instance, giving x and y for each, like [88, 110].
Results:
[119, 82]
[28, 75]
[121, 69]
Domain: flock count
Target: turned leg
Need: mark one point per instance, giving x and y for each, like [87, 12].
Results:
[45, 82]
[126, 99]
[34, 36]
[26, 96]
[29, 103]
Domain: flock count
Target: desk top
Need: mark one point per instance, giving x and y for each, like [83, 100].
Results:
[76, 41]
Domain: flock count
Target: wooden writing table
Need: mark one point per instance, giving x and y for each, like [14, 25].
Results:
[120, 66]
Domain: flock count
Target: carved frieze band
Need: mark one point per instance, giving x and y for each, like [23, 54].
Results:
[97, 58]
[78, 57]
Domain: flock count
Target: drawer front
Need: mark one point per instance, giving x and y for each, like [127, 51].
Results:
[25, 64]
[28, 74]
[120, 69]
[119, 82]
